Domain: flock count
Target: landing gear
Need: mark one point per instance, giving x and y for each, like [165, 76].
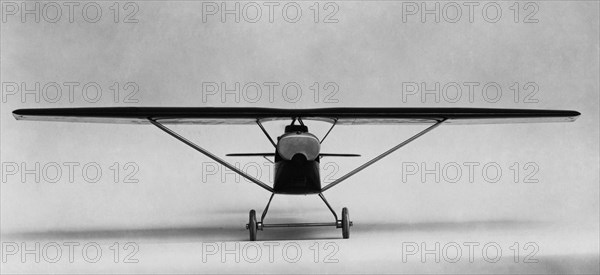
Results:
[345, 223]
[253, 226]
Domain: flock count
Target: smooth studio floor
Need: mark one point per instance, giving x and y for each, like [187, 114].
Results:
[498, 247]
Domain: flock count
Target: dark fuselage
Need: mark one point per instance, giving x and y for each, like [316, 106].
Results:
[297, 177]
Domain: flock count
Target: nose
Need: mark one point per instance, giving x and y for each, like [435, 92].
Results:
[298, 145]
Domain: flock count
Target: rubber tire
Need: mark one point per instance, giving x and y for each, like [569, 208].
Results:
[345, 223]
[252, 225]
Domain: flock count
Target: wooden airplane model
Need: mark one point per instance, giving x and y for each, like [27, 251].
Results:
[297, 152]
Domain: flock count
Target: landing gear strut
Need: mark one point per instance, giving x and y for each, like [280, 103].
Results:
[253, 226]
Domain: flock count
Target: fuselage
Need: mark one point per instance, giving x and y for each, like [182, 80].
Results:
[297, 162]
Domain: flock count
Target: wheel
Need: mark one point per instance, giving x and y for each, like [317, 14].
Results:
[252, 225]
[345, 223]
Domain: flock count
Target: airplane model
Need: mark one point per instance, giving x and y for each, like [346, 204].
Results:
[297, 152]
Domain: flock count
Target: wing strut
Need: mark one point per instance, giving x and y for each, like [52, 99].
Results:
[266, 133]
[332, 125]
[367, 164]
[210, 155]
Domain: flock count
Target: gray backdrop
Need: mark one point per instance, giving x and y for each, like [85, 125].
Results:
[359, 54]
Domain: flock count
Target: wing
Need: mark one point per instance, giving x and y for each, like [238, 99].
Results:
[343, 116]
[349, 116]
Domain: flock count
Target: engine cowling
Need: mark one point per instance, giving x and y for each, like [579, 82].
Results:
[296, 144]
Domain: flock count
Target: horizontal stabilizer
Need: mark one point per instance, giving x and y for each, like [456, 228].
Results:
[251, 155]
[273, 154]
[338, 155]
